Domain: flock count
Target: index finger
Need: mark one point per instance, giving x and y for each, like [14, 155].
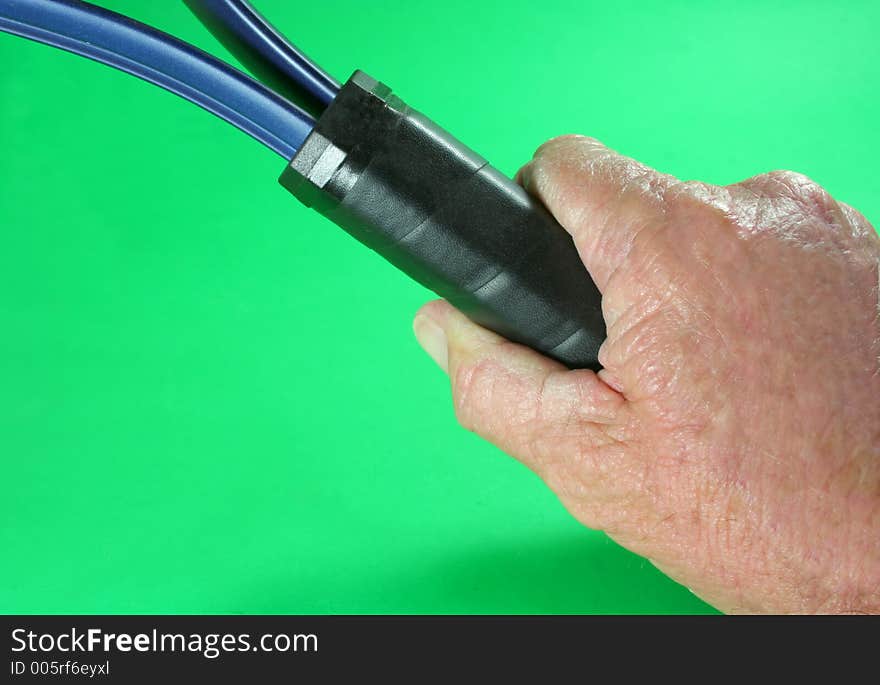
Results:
[603, 199]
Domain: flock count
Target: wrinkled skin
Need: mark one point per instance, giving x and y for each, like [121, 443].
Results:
[733, 436]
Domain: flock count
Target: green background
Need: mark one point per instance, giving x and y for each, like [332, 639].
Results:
[210, 398]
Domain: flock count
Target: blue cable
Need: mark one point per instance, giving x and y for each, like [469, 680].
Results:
[263, 50]
[161, 59]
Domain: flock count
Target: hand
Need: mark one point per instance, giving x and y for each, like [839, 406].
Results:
[733, 436]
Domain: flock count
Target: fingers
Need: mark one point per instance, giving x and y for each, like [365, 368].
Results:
[523, 402]
[601, 198]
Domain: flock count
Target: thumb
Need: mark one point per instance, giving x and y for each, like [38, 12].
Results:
[528, 405]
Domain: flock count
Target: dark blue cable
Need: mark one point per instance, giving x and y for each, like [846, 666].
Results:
[263, 50]
[161, 59]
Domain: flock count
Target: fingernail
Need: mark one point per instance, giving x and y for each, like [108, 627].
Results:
[432, 338]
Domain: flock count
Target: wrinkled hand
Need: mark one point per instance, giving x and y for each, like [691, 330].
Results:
[733, 436]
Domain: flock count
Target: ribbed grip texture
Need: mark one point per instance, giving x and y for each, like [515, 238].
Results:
[435, 209]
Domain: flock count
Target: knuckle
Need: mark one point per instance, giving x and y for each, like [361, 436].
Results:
[793, 179]
[793, 185]
[795, 207]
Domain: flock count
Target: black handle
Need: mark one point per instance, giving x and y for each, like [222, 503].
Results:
[432, 207]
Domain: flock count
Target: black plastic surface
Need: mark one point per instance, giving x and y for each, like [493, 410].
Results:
[406, 188]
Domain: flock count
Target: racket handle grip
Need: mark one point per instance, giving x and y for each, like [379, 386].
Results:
[435, 209]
